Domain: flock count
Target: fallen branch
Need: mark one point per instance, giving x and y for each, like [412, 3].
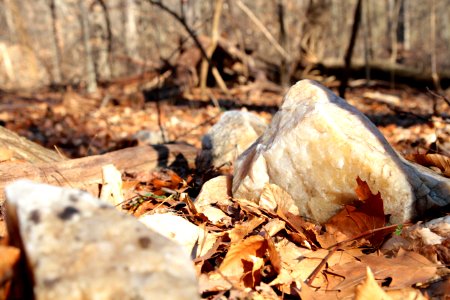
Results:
[86, 173]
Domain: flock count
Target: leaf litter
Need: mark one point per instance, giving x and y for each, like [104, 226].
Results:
[268, 252]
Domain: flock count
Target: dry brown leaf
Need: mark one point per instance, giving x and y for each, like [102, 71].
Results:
[274, 256]
[235, 264]
[9, 256]
[274, 226]
[369, 289]
[439, 161]
[351, 222]
[389, 270]
[275, 198]
[406, 294]
[240, 231]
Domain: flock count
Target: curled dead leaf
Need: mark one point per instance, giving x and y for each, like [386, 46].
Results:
[357, 221]
[439, 161]
[243, 257]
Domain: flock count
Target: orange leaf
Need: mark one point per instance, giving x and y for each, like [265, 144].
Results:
[353, 221]
[235, 265]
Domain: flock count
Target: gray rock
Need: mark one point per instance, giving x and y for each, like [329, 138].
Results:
[78, 247]
[316, 147]
[228, 138]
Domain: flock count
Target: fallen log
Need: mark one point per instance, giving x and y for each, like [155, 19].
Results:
[86, 173]
[26, 150]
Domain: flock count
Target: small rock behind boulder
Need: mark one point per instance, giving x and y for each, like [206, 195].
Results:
[228, 138]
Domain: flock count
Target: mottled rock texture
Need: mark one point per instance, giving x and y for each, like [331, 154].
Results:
[315, 148]
[228, 138]
[78, 247]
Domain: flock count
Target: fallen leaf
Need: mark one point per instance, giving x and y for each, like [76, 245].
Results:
[275, 198]
[369, 289]
[234, 265]
[242, 230]
[389, 270]
[439, 161]
[274, 226]
[352, 222]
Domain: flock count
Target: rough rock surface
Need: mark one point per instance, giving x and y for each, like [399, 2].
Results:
[316, 147]
[78, 247]
[228, 138]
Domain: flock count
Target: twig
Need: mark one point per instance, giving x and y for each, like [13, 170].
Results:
[193, 35]
[316, 271]
[212, 46]
[263, 29]
[366, 233]
[439, 96]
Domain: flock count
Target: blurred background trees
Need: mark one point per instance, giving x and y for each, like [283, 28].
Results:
[83, 43]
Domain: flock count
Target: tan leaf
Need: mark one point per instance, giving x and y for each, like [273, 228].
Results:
[433, 160]
[275, 198]
[369, 289]
[274, 226]
[417, 268]
[242, 230]
[233, 266]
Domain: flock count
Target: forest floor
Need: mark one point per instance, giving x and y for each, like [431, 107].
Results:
[413, 121]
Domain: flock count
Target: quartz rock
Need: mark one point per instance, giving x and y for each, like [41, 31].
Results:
[79, 247]
[228, 138]
[317, 145]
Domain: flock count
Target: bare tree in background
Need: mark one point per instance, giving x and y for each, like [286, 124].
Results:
[367, 38]
[351, 46]
[130, 31]
[56, 57]
[434, 73]
[285, 64]
[91, 77]
[394, 13]
[105, 58]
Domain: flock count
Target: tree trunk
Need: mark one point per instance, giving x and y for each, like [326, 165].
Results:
[434, 73]
[394, 12]
[284, 66]
[351, 46]
[131, 33]
[91, 76]
[105, 64]
[214, 39]
[56, 57]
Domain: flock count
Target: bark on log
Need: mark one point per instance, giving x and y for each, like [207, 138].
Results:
[86, 173]
[26, 150]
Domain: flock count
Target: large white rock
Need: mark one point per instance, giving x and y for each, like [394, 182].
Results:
[79, 247]
[316, 147]
[228, 138]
